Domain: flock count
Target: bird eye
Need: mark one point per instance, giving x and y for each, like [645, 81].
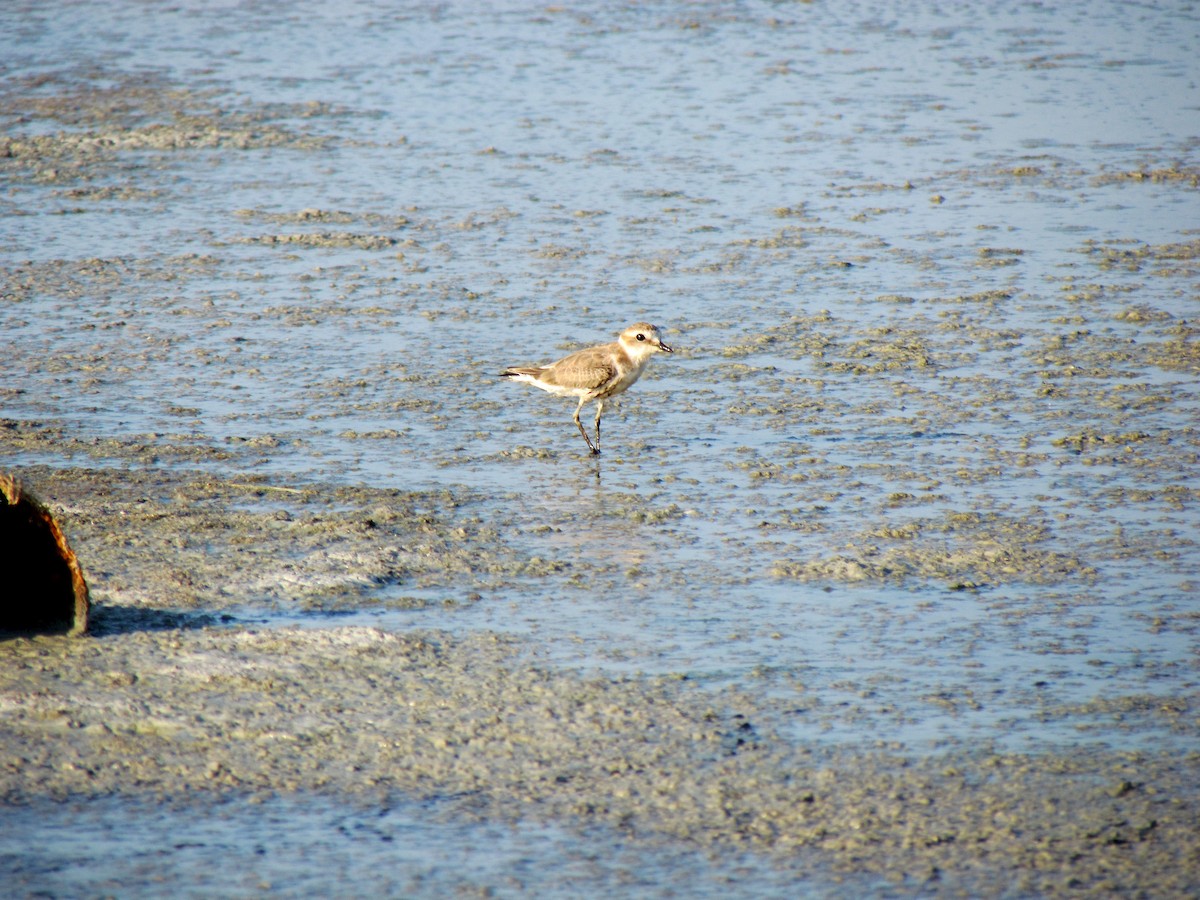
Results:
[641, 337]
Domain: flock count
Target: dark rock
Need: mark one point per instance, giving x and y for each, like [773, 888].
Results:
[42, 588]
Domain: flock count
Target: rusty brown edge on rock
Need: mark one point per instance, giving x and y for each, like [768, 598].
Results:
[17, 496]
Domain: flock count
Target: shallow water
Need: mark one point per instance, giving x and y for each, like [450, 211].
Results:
[922, 467]
[316, 847]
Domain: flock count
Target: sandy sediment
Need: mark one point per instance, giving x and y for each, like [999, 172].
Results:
[178, 697]
[171, 703]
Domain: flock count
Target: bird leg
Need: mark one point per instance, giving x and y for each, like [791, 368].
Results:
[595, 450]
[599, 409]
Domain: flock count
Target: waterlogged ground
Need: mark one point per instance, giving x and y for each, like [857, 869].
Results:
[886, 582]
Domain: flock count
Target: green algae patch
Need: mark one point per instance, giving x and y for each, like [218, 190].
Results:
[1185, 176]
[1179, 351]
[86, 119]
[324, 239]
[1086, 439]
[1173, 259]
[313, 215]
[960, 549]
[985, 562]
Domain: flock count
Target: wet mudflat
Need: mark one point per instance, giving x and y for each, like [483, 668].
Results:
[886, 580]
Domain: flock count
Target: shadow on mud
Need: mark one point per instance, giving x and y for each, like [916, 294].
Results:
[107, 621]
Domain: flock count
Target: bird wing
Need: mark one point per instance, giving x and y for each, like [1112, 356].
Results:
[589, 369]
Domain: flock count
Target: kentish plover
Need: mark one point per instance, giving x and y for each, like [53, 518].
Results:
[596, 373]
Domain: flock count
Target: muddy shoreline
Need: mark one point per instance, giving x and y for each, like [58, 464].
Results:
[885, 583]
[162, 702]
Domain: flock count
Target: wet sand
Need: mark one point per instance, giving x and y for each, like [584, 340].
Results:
[193, 708]
[885, 583]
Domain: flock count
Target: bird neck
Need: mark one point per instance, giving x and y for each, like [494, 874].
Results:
[637, 354]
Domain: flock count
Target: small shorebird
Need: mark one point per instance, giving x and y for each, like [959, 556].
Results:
[596, 373]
